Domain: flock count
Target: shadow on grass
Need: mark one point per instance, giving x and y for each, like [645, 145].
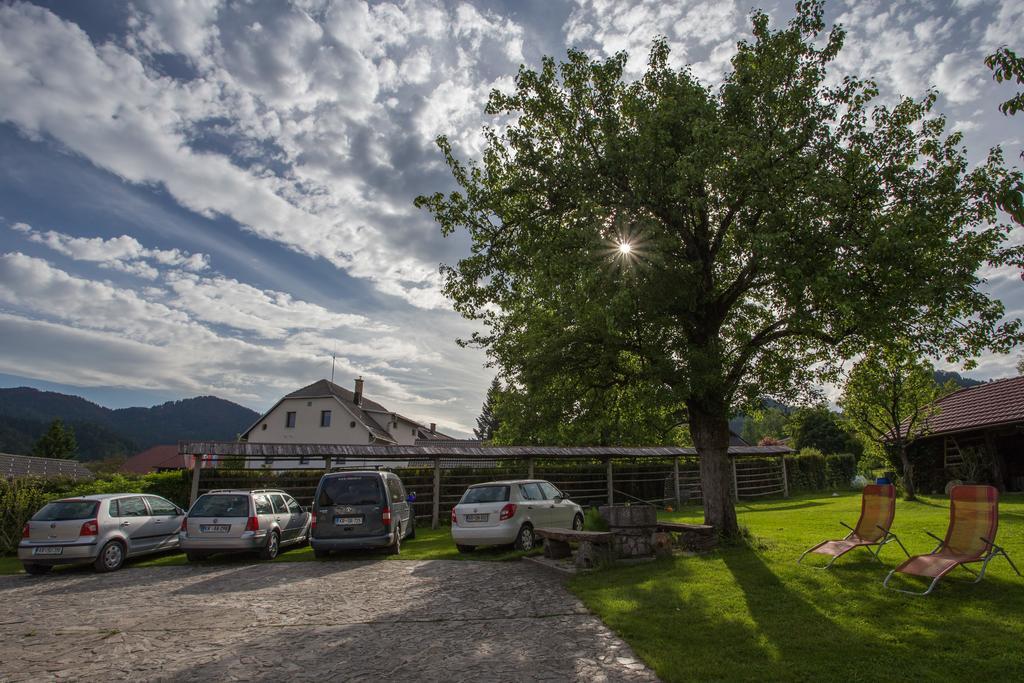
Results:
[747, 509]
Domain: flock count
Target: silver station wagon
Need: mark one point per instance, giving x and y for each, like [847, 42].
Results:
[102, 529]
[225, 521]
[507, 512]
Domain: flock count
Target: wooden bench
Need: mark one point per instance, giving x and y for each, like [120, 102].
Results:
[594, 547]
[693, 537]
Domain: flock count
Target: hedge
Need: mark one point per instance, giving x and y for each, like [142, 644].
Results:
[810, 470]
[22, 498]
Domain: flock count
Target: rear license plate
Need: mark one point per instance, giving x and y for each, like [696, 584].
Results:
[215, 528]
[477, 518]
[48, 551]
[348, 521]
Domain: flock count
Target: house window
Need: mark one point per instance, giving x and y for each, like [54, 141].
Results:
[289, 420]
[325, 418]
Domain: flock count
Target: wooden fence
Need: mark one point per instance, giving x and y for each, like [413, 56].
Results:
[660, 476]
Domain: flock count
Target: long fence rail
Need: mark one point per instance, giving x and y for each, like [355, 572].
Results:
[439, 482]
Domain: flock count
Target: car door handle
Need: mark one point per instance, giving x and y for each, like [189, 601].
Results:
[126, 523]
[158, 521]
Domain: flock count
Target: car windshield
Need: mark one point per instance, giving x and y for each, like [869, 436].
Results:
[62, 510]
[350, 491]
[221, 505]
[485, 494]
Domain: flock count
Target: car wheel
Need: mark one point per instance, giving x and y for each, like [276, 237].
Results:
[272, 547]
[525, 540]
[396, 546]
[37, 569]
[465, 548]
[195, 557]
[577, 523]
[321, 554]
[111, 557]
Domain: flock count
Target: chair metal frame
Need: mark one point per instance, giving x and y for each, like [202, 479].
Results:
[888, 537]
[993, 552]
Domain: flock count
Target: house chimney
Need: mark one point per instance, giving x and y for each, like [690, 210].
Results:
[358, 397]
[433, 427]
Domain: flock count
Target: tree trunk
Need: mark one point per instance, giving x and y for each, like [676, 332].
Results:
[908, 473]
[710, 432]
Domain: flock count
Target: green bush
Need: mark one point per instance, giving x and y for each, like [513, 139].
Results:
[19, 500]
[593, 521]
[809, 470]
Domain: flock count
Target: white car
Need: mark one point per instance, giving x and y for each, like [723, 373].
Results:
[504, 512]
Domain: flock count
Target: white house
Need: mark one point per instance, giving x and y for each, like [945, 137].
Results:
[324, 412]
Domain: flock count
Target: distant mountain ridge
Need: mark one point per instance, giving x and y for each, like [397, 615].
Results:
[102, 432]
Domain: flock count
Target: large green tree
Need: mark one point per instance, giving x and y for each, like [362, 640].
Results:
[729, 243]
[57, 442]
[888, 398]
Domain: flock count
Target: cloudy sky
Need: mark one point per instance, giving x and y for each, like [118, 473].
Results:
[212, 197]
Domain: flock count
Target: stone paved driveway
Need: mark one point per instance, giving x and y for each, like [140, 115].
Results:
[328, 621]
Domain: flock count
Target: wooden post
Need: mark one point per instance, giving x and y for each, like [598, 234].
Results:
[735, 479]
[197, 466]
[675, 477]
[785, 479]
[611, 488]
[529, 468]
[435, 517]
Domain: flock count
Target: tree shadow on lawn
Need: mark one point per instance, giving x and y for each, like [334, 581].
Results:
[843, 622]
[733, 615]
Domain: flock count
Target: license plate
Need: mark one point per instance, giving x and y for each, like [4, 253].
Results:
[215, 528]
[348, 521]
[477, 518]
[48, 551]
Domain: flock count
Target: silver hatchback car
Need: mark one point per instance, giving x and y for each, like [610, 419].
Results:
[225, 521]
[504, 512]
[102, 529]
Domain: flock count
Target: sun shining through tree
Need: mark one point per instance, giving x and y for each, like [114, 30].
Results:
[788, 222]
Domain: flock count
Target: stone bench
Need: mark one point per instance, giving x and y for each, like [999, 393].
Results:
[697, 538]
[594, 547]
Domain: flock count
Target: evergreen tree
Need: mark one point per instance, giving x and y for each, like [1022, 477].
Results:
[487, 423]
[57, 442]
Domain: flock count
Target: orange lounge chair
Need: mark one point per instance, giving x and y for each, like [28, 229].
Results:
[973, 520]
[877, 508]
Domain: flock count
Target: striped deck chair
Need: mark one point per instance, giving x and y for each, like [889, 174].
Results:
[973, 520]
[877, 508]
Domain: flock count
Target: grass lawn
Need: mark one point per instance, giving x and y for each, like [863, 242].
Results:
[750, 613]
[429, 544]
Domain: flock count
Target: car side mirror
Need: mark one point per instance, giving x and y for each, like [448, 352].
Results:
[559, 498]
[411, 498]
[180, 511]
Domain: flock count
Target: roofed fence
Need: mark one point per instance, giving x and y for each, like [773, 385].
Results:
[439, 474]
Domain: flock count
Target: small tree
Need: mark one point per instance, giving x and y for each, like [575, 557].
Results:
[57, 442]
[487, 423]
[888, 397]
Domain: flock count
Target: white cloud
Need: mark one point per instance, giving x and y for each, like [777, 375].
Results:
[958, 75]
[123, 253]
[299, 85]
[269, 314]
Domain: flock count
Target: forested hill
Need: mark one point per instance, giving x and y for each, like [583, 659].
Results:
[102, 432]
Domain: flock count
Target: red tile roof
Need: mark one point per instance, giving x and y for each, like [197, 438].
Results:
[987, 405]
[157, 458]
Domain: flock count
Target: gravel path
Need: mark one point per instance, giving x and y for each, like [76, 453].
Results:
[329, 621]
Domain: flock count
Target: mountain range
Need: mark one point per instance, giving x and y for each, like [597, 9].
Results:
[101, 432]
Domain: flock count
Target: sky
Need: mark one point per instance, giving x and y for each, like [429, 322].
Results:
[205, 197]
